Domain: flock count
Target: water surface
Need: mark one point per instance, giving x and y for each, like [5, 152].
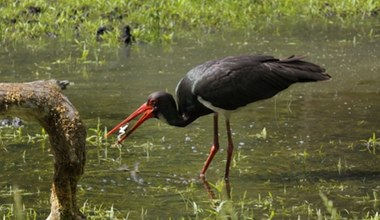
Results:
[313, 131]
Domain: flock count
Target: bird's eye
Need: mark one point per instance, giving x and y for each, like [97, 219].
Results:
[152, 102]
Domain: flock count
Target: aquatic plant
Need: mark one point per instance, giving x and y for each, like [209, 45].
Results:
[96, 136]
[334, 214]
[16, 210]
[372, 143]
[98, 212]
[20, 135]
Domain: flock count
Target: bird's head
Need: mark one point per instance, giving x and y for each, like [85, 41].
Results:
[158, 105]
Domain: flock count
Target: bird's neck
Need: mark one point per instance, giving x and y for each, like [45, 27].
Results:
[168, 111]
[174, 117]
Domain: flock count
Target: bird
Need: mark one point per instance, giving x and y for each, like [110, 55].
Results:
[126, 35]
[101, 31]
[221, 87]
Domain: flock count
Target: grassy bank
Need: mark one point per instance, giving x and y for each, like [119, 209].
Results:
[161, 20]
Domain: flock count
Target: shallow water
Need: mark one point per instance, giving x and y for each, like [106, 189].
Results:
[313, 131]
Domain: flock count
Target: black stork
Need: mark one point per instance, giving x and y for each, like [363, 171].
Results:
[221, 87]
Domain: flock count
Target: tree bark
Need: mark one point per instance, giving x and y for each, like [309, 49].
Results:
[42, 101]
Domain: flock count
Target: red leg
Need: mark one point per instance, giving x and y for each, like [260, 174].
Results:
[214, 148]
[230, 149]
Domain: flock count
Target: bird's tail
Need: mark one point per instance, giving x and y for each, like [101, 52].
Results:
[302, 70]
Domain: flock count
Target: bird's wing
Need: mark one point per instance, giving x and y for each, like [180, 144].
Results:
[234, 82]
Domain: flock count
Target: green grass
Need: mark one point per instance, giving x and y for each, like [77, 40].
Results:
[163, 20]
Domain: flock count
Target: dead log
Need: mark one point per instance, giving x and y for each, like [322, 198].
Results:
[42, 101]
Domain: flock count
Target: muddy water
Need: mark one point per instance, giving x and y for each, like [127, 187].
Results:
[313, 144]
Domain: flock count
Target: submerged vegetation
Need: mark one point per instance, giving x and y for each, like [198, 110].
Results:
[161, 20]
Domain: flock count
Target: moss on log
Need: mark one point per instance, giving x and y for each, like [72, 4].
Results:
[42, 101]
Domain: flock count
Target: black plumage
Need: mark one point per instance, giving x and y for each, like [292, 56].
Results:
[234, 82]
[222, 86]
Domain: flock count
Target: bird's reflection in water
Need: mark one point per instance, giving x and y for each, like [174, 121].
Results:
[133, 172]
[220, 197]
[210, 191]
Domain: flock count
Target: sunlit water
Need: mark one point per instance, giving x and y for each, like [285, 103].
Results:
[313, 142]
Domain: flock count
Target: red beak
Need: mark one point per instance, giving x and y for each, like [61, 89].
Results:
[147, 112]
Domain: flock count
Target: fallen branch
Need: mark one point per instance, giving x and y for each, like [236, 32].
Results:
[42, 101]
